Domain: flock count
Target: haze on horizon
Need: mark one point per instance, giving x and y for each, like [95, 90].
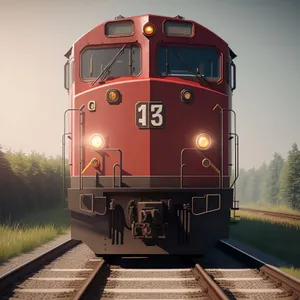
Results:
[36, 34]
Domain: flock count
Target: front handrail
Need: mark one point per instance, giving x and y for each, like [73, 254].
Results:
[221, 124]
[114, 176]
[237, 158]
[183, 165]
[64, 162]
[236, 147]
[120, 165]
[80, 145]
[206, 204]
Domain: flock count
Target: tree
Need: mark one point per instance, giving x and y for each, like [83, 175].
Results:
[273, 179]
[250, 186]
[260, 182]
[240, 185]
[9, 199]
[28, 183]
[284, 194]
[291, 178]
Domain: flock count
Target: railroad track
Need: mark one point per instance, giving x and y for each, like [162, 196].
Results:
[33, 264]
[258, 281]
[271, 213]
[152, 278]
[9, 288]
[75, 273]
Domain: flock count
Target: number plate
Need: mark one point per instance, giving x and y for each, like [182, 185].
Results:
[149, 115]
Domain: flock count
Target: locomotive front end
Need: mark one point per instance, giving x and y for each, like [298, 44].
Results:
[150, 151]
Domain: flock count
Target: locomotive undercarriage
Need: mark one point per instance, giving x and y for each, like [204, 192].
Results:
[149, 220]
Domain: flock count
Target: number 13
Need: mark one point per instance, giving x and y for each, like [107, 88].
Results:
[150, 115]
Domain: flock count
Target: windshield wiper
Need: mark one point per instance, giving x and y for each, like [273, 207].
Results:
[102, 75]
[197, 74]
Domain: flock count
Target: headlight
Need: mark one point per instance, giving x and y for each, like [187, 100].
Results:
[97, 141]
[203, 141]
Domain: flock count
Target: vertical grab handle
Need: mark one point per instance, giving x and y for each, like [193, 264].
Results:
[67, 76]
[233, 76]
[63, 146]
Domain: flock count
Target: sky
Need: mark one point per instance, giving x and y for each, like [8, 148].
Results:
[265, 34]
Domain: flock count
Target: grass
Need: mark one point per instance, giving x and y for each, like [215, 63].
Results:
[269, 207]
[292, 271]
[270, 220]
[275, 236]
[31, 232]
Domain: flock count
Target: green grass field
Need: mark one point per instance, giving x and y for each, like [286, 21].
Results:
[277, 237]
[31, 232]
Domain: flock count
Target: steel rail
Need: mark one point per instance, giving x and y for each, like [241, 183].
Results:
[213, 290]
[82, 292]
[272, 213]
[282, 279]
[10, 278]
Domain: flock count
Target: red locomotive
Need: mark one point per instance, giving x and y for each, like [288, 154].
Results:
[150, 136]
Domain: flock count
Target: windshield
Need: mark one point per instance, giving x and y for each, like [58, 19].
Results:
[93, 62]
[188, 61]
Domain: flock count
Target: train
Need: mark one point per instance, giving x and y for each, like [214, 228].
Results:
[151, 137]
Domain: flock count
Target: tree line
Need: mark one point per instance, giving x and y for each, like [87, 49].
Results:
[29, 183]
[275, 183]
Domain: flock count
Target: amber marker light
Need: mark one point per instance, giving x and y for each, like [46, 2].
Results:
[187, 96]
[148, 29]
[113, 96]
[97, 141]
[203, 141]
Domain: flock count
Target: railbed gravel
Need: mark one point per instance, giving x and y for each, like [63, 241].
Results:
[152, 274]
[252, 273]
[79, 258]
[215, 260]
[256, 281]
[261, 296]
[161, 274]
[76, 258]
[25, 257]
[154, 296]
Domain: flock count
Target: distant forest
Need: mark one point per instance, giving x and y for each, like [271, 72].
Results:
[33, 182]
[28, 183]
[275, 183]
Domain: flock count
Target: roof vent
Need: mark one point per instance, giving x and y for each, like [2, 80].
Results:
[179, 17]
[119, 17]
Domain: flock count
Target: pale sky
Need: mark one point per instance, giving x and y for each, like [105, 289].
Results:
[265, 34]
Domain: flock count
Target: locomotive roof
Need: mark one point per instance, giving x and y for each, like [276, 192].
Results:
[178, 17]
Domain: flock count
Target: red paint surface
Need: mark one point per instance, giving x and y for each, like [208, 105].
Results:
[157, 151]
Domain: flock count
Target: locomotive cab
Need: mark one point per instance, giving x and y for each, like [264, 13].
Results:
[150, 151]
